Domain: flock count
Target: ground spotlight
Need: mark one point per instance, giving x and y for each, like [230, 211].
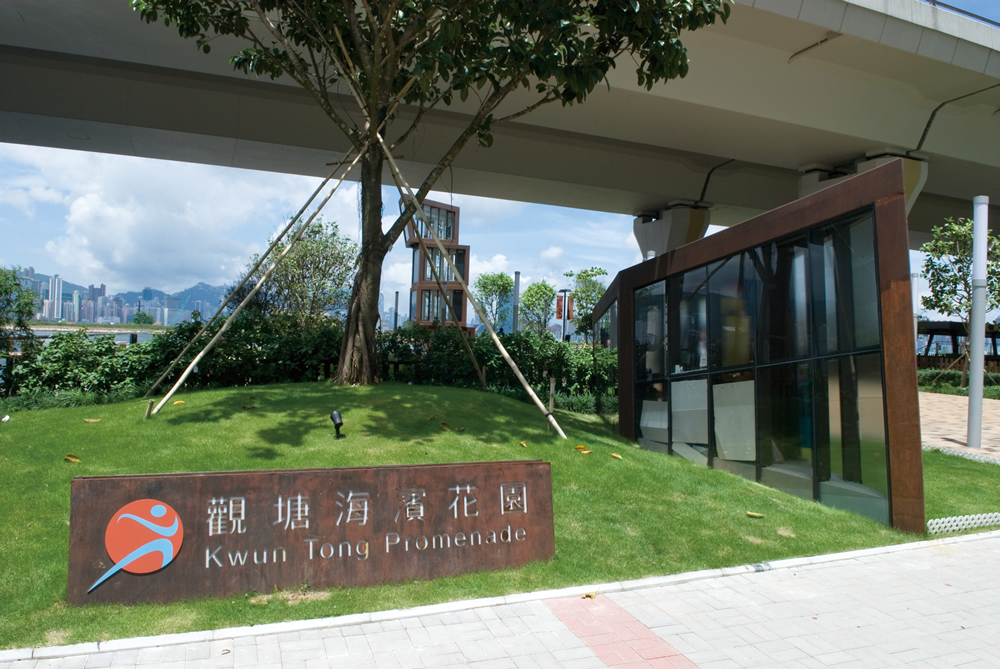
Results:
[338, 422]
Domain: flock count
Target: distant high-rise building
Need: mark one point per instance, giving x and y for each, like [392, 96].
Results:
[93, 292]
[55, 297]
[76, 306]
[147, 293]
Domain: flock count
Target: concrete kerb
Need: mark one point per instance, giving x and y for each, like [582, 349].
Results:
[137, 643]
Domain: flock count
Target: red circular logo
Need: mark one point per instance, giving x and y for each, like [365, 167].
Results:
[144, 536]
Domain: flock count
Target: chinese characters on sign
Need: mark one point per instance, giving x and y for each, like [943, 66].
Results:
[331, 527]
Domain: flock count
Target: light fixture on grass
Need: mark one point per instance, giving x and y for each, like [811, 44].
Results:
[338, 422]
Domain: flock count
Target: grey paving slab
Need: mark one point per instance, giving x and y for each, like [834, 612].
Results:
[932, 604]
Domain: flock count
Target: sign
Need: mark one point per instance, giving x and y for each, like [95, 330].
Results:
[163, 537]
[569, 307]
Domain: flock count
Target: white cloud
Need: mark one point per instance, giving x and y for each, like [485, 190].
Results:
[23, 195]
[133, 222]
[477, 266]
[553, 254]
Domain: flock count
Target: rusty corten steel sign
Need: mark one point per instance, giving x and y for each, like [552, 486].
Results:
[159, 538]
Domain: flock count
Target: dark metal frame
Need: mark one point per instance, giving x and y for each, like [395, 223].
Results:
[423, 285]
[879, 190]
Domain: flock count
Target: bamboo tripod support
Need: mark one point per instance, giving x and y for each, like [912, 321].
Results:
[263, 279]
[242, 283]
[451, 310]
[401, 184]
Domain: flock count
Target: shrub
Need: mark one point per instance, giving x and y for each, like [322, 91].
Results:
[436, 356]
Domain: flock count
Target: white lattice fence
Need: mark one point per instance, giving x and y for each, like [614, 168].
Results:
[959, 523]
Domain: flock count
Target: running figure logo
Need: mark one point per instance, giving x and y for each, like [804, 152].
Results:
[143, 537]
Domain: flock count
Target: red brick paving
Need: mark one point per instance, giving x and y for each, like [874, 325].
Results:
[616, 636]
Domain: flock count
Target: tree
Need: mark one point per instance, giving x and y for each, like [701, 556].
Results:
[311, 282]
[424, 54]
[493, 290]
[142, 318]
[536, 305]
[948, 270]
[587, 292]
[17, 310]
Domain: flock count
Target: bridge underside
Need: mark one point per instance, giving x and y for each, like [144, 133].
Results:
[140, 90]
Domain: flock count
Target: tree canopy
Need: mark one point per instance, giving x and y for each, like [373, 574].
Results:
[494, 290]
[312, 281]
[377, 67]
[536, 305]
[142, 318]
[17, 309]
[587, 292]
[948, 270]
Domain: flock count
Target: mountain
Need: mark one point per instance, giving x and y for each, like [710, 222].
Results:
[211, 295]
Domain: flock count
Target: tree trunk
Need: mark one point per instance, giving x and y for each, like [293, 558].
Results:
[358, 361]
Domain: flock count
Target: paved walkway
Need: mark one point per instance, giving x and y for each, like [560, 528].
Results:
[944, 421]
[931, 604]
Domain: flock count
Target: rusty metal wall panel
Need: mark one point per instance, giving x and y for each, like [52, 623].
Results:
[902, 415]
[250, 531]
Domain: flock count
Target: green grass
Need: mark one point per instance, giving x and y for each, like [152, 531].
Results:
[955, 486]
[646, 514]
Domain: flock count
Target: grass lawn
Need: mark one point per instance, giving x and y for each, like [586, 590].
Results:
[955, 486]
[646, 514]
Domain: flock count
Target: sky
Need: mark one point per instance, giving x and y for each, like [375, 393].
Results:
[98, 218]
[989, 9]
[133, 222]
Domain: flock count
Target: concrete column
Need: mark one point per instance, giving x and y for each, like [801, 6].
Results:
[977, 321]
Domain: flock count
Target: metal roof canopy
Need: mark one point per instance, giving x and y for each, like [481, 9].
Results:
[786, 84]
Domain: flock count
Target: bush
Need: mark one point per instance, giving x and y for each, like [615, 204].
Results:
[436, 356]
[74, 369]
[948, 380]
[74, 361]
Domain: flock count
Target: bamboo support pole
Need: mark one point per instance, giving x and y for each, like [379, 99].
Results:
[242, 283]
[401, 184]
[263, 279]
[451, 309]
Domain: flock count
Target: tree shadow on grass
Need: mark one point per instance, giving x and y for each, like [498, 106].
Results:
[263, 453]
[295, 414]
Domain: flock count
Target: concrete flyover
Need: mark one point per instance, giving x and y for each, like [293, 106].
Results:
[793, 92]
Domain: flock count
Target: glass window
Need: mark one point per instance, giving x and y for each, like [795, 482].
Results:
[734, 298]
[432, 307]
[442, 220]
[457, 302]
[690, 293]
[650, 331]
[689, 413]
[784, 428]
[652, 414]
[784, 322]
[458, 257]
[851, 449]
[435, 258]
[844, 290]
[607, 327]
[416, 266]
[734, 418]
[413, 306]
